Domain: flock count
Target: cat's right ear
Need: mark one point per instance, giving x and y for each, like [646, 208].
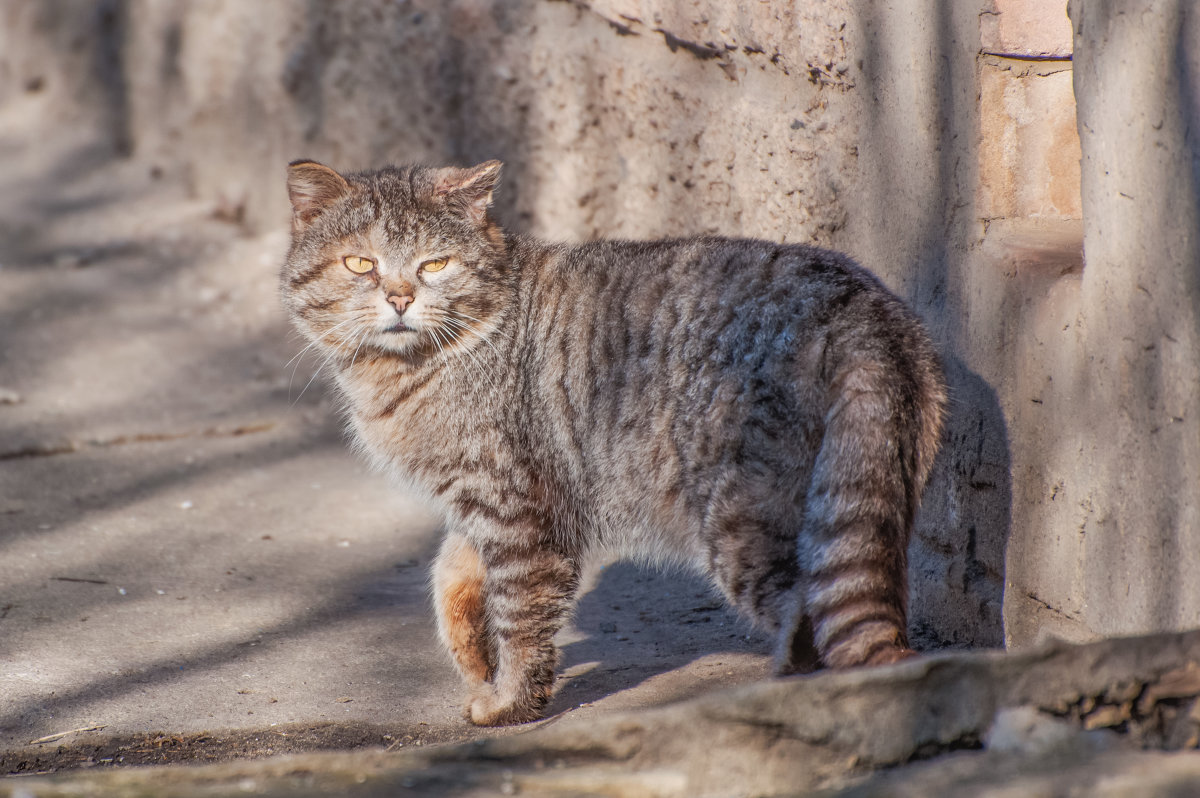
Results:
[312, 188]
[469, 190]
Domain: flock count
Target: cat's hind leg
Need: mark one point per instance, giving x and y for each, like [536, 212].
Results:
[840, 603]
[458, 579]
[754, 564]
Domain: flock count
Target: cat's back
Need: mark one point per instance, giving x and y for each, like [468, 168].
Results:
[671, 362]
[708, 301]
[631, 280]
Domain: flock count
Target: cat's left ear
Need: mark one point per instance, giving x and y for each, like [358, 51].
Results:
[469, 190]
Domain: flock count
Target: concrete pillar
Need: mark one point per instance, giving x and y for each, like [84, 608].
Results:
[1112, 544]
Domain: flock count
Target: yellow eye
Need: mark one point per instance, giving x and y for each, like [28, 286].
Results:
[435, 265]
[358, 265]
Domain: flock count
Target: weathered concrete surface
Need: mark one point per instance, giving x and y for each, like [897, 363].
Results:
[1062, 720]
[1111, 386]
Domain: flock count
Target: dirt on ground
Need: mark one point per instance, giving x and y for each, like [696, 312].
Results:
[198, 748]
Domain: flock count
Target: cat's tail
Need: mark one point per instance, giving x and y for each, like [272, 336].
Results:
[883, 426]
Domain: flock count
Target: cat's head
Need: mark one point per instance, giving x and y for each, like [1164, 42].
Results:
[401, 260]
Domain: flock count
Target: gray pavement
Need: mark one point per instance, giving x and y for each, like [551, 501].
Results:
[186, 543]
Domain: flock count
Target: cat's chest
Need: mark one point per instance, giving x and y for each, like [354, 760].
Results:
[419, 426]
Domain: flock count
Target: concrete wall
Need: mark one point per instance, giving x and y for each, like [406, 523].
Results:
[935, 140]
[1113, 507]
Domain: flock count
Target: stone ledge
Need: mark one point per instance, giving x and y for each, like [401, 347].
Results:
[1040, 715]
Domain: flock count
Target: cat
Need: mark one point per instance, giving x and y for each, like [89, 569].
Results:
[766, 413]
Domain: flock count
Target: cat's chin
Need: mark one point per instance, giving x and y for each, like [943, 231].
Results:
[399, 339]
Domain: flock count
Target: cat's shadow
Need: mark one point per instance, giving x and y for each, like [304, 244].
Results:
[636, 623]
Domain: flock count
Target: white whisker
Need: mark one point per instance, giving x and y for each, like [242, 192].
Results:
[357, 318]
[481, 367]
[435, 333]
[362, 337]
[466, 316]
[318, 339]
[457, 323]
[311, 344]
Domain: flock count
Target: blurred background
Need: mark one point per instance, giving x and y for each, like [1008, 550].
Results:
[1028, 180]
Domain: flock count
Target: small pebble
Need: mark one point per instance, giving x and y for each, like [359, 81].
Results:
[186, 505]
[9, 397]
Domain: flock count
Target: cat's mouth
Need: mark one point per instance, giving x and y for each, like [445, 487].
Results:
[399, 326]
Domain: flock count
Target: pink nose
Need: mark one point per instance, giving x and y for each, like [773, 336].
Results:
[399, 302]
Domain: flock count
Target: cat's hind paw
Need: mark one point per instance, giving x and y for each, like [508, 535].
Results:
[887, 656]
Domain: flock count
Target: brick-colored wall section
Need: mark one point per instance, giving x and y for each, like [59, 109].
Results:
[1030, 28]
[1029, 144]
[1029, 147]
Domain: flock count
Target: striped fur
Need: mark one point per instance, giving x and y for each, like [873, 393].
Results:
[766, 413]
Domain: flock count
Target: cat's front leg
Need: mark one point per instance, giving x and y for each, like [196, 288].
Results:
[458, 577]
[528, 593]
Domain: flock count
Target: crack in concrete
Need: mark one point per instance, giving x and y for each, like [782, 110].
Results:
[1045, 605]
[1025, 56]
[704, 52]
[67, 447]
[620, 28]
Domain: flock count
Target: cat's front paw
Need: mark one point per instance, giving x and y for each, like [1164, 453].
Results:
[488, 709]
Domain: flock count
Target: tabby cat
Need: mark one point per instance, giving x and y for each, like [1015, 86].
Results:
[767, 413]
